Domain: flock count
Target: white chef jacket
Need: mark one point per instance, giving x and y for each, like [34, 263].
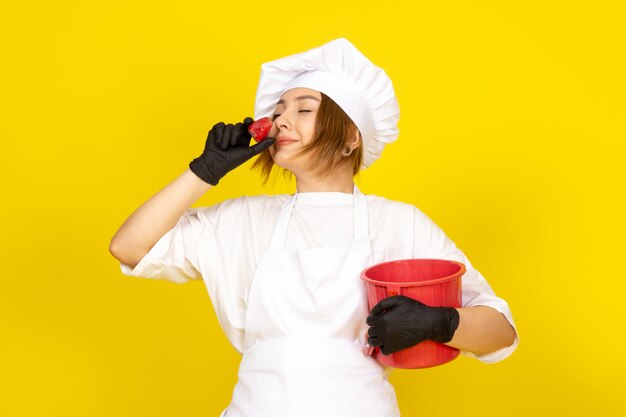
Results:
[222, 244]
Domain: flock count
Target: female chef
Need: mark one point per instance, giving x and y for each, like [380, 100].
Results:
[283, 271]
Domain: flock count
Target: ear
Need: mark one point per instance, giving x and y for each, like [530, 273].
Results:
[355, 138]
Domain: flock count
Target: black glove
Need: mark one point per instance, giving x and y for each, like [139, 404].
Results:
[227, 147]
[400, 322]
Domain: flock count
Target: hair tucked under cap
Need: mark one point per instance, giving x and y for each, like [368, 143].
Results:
[343, 73]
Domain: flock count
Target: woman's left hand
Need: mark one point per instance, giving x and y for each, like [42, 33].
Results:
[399, 322]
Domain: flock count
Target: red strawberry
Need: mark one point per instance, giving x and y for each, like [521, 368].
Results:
[260, 128]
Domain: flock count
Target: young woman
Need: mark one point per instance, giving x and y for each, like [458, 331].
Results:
[283, 271]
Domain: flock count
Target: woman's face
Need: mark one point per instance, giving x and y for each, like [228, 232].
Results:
[294, 127]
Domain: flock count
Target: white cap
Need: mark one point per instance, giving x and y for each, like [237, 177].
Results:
[343, 73]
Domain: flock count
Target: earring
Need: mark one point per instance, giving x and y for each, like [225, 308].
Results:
[346, 151]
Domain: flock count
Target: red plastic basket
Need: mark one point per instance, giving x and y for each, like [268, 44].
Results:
[434, 282]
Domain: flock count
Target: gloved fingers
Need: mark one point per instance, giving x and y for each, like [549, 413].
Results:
[386, 350]
[236, 134]
[387, 304]
[373, 332]
[248, 121]
[210, 138]
[219, 133]
[225, 141]
[375, 336]
[259, 147]
[372, 320]
[375, 341]
[241, 136]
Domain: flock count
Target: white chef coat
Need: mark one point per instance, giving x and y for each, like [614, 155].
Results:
[222, 244]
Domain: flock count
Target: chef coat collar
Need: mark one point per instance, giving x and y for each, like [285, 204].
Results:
[325, 198]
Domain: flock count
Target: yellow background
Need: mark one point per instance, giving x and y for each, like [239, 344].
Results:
[512, 136]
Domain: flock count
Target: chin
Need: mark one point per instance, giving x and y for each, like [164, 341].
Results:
[284, 166]
[281, 161]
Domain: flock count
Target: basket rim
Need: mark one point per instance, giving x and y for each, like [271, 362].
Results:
[456, 275]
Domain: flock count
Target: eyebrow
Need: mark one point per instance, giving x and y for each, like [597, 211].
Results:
[281, 101]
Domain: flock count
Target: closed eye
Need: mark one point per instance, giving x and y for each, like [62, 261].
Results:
[299, 111]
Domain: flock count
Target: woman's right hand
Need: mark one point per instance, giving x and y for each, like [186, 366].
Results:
[227, 146]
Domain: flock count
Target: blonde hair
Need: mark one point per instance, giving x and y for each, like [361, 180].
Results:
[333, 128]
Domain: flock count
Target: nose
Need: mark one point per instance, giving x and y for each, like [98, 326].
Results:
[282, 122]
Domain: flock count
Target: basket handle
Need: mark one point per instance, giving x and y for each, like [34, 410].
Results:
[391, 291]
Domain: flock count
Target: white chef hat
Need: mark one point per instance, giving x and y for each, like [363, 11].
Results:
[343, 73]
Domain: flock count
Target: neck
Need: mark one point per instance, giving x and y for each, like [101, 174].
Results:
[337, 183]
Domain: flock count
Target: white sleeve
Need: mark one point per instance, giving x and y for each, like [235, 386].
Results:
[175, 256]
[432, 242]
